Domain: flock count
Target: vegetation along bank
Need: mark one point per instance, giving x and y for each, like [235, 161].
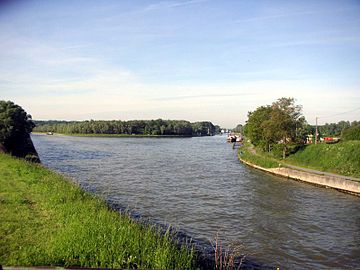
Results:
[280, 168]
[158, 127]
[47, 220]
[278, 142]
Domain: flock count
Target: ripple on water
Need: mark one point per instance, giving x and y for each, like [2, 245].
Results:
[198, 184]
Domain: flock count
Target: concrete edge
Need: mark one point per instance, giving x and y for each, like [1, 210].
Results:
[340, 184]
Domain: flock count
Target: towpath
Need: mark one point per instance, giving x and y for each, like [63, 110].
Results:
[320, 172]
[253, 151]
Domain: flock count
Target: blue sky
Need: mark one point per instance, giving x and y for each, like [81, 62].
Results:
[192, 59]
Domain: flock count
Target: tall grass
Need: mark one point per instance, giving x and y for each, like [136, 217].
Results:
[227, 259]
[46, 220]
[341, 158]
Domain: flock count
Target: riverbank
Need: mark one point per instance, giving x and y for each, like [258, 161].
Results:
[48, 221]
[341, 158]
[249, 156]
[112, 135]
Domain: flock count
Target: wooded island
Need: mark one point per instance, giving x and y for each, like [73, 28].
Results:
[158, 127]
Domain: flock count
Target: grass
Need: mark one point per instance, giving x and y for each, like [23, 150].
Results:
[341, 158]
[247, 153]
[48, 221]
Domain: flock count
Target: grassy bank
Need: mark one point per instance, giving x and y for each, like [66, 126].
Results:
[249, 154]
[340, 158]
[46, 220]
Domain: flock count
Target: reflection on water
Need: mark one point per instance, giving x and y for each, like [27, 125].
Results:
[198, 185]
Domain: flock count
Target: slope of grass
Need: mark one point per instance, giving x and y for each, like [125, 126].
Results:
[257, 157]
[46, 220]
[341, 158]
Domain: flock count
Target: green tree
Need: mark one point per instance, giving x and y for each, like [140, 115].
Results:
[15, 123]
[254, 128]
[203, 128]
[15, 128]
[147, 127]
[287, 124]
[281, 123]
[334, 129]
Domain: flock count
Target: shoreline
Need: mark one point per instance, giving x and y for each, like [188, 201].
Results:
[68, 191]
[339, 183]
[58, 223]
[114, 135]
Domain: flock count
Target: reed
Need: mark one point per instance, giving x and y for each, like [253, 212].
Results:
[227, 259]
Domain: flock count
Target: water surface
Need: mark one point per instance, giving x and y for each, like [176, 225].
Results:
[199, 186]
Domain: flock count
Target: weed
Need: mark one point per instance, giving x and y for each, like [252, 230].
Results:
[225, 259]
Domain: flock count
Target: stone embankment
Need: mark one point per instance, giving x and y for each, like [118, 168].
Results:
[341, 183]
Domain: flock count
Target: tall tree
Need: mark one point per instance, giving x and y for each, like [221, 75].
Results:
[280, 123]
[254, 128]
[287, 123]
[14, 122]
[15, 128]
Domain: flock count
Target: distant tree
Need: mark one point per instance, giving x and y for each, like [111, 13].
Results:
[239, 128]
[217, 129]
[334, 129]
[351, 133]
[15, 123]
[146, 127]
[203, 128]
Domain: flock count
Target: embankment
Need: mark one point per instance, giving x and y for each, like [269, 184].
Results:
[341, 158]
[46, 220]
[345, 184]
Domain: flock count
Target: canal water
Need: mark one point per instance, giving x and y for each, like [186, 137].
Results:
[199, 186]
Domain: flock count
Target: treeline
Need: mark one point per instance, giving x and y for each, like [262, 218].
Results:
[351, 133]
[335, 129]
[137, 127]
